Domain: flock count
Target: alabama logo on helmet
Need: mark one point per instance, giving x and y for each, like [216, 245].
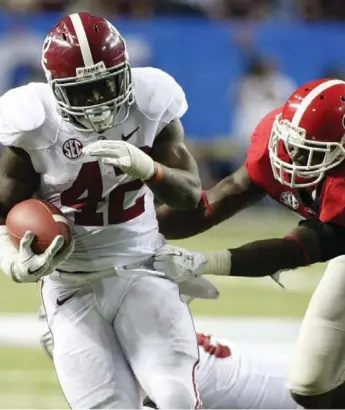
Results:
[288, 198]
[72, 148]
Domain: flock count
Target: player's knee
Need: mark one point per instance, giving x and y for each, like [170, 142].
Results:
[173, 394]
[317, 368]
[314, 392]
[308, 382]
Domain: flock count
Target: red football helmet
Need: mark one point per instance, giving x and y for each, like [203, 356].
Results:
[308, 137]
[86, 63]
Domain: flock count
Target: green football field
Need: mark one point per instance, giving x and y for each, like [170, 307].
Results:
[27, 377]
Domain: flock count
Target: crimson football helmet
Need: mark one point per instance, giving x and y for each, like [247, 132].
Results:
[86, 63]
[308, 136]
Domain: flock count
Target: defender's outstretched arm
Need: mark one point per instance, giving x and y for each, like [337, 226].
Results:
[228, 197]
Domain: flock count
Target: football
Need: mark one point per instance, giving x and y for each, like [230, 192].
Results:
[41, 218]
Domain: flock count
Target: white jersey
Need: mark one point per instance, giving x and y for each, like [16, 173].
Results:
[229, 378]
[112, 214]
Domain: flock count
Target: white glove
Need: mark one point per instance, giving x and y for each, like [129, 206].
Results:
[24, 265]
[130, 159]
[181, 265]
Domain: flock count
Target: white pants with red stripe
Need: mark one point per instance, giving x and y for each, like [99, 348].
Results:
[116, 332]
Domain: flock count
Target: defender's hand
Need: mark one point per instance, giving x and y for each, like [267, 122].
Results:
[130, 159]
[181, 265]
[178, 264]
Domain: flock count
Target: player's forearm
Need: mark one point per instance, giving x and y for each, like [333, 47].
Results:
[266, 257]
[218, 204]
[257, 259]
[175, 187]
[176, 224]
[312, 241]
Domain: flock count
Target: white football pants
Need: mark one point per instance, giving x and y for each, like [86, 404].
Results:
[318, 363]
[116, 333]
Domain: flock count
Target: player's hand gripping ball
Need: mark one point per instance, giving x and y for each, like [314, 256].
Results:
[41, 218]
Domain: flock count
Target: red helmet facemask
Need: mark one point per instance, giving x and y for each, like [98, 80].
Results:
[86, 63]
[308, 137]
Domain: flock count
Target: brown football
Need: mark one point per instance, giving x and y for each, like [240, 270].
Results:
[40, 217]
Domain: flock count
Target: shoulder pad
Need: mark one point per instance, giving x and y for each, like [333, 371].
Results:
[332, 199]
[258, 162]
[21, 113]
[158, 96]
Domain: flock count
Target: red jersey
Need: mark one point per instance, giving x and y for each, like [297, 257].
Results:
[326, 201]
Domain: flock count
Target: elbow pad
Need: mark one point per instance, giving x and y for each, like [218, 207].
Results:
[331, 237]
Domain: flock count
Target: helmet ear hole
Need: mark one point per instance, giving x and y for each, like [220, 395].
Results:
[95, 27]
[64, 36]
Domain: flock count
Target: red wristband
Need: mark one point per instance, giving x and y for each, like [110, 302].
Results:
[206, 203]
[306, 258]
[157, 175]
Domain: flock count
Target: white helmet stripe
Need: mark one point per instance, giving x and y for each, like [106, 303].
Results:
[82, 39]
[310, 98]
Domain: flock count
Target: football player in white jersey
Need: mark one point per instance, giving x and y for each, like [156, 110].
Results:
[110, 330]
[229, 377]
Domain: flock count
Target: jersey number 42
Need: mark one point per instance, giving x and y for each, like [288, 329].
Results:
[86, 197]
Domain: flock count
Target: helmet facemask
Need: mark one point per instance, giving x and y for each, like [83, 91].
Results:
[308, 159]
[96, 99]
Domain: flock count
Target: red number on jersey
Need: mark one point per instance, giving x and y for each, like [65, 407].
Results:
[85, 195]
[219, 351]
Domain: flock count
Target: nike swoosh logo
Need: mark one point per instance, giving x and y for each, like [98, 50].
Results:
[128, 136]
[62, 301]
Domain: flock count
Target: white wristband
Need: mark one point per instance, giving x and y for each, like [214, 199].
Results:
[217, 263]
[147, 168]
[142, 165]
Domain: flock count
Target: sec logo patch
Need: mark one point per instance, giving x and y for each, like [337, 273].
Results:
[72, 148]
[289, 199]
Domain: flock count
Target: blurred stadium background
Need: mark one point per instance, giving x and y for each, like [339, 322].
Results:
[236, 59]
